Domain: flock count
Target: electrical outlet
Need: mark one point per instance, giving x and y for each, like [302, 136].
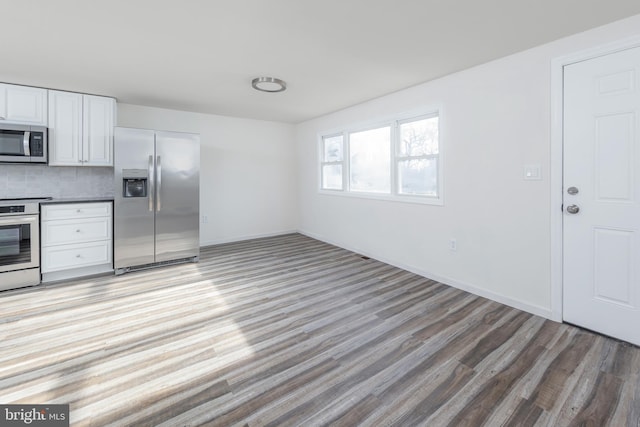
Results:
[453, 245]
[532, 173]
[205, 219]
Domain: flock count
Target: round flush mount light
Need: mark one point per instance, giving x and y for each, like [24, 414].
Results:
[268, 84]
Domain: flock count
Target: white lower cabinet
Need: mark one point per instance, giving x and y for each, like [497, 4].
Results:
[64, 257]
[76, 240]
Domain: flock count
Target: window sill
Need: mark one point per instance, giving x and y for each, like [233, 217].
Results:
[421, 200]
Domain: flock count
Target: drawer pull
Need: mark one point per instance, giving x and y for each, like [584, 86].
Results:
[78, 230]
[79, 211]
[78, 256]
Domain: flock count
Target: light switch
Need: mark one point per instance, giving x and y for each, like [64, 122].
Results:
[532, 173]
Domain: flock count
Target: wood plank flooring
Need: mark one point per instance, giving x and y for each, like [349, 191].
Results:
[290, 331]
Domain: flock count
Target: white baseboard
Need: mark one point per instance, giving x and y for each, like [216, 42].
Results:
[520, 305]
[245, 237]
[76, 273]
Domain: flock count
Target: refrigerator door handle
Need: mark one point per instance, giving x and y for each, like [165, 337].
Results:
[151, 184]
[159, 186]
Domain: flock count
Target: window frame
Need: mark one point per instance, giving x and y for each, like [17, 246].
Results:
[324, 163]
[399, 158]
[393, 123]
[347, 160]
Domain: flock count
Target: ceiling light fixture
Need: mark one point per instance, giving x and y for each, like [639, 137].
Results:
[268, 84]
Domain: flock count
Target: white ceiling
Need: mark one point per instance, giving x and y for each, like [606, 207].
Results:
[201, 55]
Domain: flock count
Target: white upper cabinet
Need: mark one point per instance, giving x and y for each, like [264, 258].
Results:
[80, 129]
[65, 128]
[23, 104]
[97, 136]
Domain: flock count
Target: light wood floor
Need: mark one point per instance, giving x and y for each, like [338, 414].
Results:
[289, 331]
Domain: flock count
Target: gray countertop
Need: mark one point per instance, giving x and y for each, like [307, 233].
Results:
[77, 200]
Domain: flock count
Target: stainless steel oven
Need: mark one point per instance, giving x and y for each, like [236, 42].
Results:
[19, 244]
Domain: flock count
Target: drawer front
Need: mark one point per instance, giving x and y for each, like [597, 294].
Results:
[75, 231]
[75, 211]
[64, 257]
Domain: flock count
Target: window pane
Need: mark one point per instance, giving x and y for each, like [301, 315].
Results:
[418, 177]
[419, 138]
[370, 162]
[332, 177]
[333, 149]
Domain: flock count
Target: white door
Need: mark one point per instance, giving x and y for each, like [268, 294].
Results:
[601, 185]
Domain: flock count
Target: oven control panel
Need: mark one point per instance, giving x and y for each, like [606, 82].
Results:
[11, 209]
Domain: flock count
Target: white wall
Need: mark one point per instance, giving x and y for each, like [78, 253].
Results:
[247, 171]
[495, 119]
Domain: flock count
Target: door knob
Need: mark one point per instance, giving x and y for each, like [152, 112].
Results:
[573, 209]
[572, 190]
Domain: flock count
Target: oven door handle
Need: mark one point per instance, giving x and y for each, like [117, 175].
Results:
[25, 143]
[18, 221]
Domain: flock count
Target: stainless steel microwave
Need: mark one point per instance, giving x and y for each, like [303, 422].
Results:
[23, 143]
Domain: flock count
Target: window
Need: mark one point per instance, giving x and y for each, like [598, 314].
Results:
[332, 159]
[370, 160]
[399, 160]
[417, 157]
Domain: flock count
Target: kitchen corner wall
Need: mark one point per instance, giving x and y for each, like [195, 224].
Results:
[248, 185]
[54, 181]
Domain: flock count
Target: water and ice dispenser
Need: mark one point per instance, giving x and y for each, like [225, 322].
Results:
[135, 182]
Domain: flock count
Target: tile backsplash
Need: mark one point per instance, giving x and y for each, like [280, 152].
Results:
[55, 181]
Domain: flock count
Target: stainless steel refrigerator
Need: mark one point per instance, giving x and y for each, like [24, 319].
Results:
[157, 198]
